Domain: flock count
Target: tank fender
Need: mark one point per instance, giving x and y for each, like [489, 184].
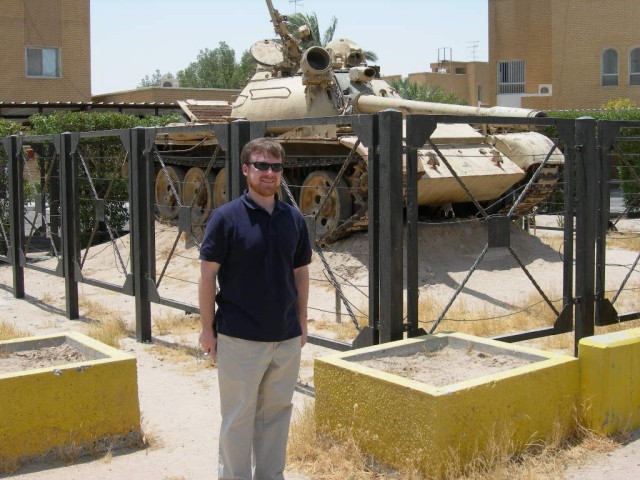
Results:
[526, 148]
[363, 151]
[350, 141]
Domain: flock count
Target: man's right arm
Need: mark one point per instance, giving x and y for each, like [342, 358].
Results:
[207, 300]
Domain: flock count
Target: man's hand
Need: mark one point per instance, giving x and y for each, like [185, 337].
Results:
[209, 342]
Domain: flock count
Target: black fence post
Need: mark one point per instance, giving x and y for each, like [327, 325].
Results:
[142, 229]
[70, 221]
[419, 129]
[366, 128]
[13, 145]
[605, 312]
[240, 136]
[391, 221]
[567, 132]
[586, 185]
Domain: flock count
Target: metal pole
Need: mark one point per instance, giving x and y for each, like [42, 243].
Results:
[567, 131]
[366, 127]
[240, 136]
[70, 222]
[586, 184]
[16, 213]
[142, 230]
[607, 133]
[391, 220]
[419, 129]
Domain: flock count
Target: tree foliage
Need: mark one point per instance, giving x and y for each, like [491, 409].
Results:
[320, 39]
[8, 127]
[626, 152]
[217, 68]
[425, 93]
[154, 79]
[103, 157]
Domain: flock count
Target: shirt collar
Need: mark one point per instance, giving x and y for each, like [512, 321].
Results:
[248, 201]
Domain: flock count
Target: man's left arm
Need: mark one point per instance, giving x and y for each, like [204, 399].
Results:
[301, 277]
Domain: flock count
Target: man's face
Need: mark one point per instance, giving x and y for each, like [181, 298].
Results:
[264, 183]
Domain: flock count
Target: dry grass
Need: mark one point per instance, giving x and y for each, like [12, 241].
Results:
[565, 342]
[109, 332]
[71, 450]
[342, 331]
[95, 310]
[176, 323]
[9, 465]
[323, 457]
[182, 354]
[104, 326]
[9, 332]
[47, 298]
[624, 241]
[533, 312]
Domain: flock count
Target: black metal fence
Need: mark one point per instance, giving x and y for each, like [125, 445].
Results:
[85, 191]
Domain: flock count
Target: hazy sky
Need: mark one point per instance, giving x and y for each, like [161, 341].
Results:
[133, 38]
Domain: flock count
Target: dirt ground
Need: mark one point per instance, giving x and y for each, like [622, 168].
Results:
[179, 400]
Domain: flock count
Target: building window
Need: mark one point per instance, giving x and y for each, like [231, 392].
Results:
[609, 67]
[634, 67]
[43, 62]
[511, 76]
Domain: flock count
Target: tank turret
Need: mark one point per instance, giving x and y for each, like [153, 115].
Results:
[320, 82]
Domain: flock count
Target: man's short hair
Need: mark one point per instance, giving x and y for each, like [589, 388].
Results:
[262, 145]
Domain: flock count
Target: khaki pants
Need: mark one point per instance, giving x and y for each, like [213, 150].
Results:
[256, 382]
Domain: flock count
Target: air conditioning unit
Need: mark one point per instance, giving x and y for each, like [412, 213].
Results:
[545, 89]
[169, 82]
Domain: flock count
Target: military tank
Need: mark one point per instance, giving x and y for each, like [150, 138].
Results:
[319, 82]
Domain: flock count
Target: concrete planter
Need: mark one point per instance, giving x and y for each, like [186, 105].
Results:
[610, 381]
[403, 422]
[73, 405]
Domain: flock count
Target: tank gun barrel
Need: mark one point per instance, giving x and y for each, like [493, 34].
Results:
[372, 104]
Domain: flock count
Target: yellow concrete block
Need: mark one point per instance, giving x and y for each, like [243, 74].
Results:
[610, 380]
[69, 405]
[406, 423]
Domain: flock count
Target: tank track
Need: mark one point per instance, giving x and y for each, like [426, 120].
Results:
[357, 222]
[545, 185]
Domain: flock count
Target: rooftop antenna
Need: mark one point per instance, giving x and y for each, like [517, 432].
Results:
[295, 5]
[473, 46]
[444, 63]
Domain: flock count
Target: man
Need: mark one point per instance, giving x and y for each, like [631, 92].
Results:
[258, 249]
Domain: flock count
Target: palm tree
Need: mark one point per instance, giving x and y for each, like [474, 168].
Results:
[296, 20]
[425, 93]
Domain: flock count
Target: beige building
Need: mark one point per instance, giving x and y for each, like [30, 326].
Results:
[467, 80]
[46, 54]
[563, 54]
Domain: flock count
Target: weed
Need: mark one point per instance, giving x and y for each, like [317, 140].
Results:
[9, 332]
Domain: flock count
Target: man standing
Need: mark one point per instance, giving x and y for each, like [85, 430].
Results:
[258, 249]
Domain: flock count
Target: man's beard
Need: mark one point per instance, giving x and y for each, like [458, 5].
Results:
[263, 189]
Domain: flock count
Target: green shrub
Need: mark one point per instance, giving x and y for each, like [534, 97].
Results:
[626, 147]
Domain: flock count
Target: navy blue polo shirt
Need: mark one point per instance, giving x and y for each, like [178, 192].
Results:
[257, 253]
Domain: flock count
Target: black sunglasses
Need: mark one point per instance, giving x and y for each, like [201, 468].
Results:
[264, 166]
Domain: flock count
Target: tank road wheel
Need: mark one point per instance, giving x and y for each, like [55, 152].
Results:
[165, 197]
[336, 208]
[220, 189]
[198, 193]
